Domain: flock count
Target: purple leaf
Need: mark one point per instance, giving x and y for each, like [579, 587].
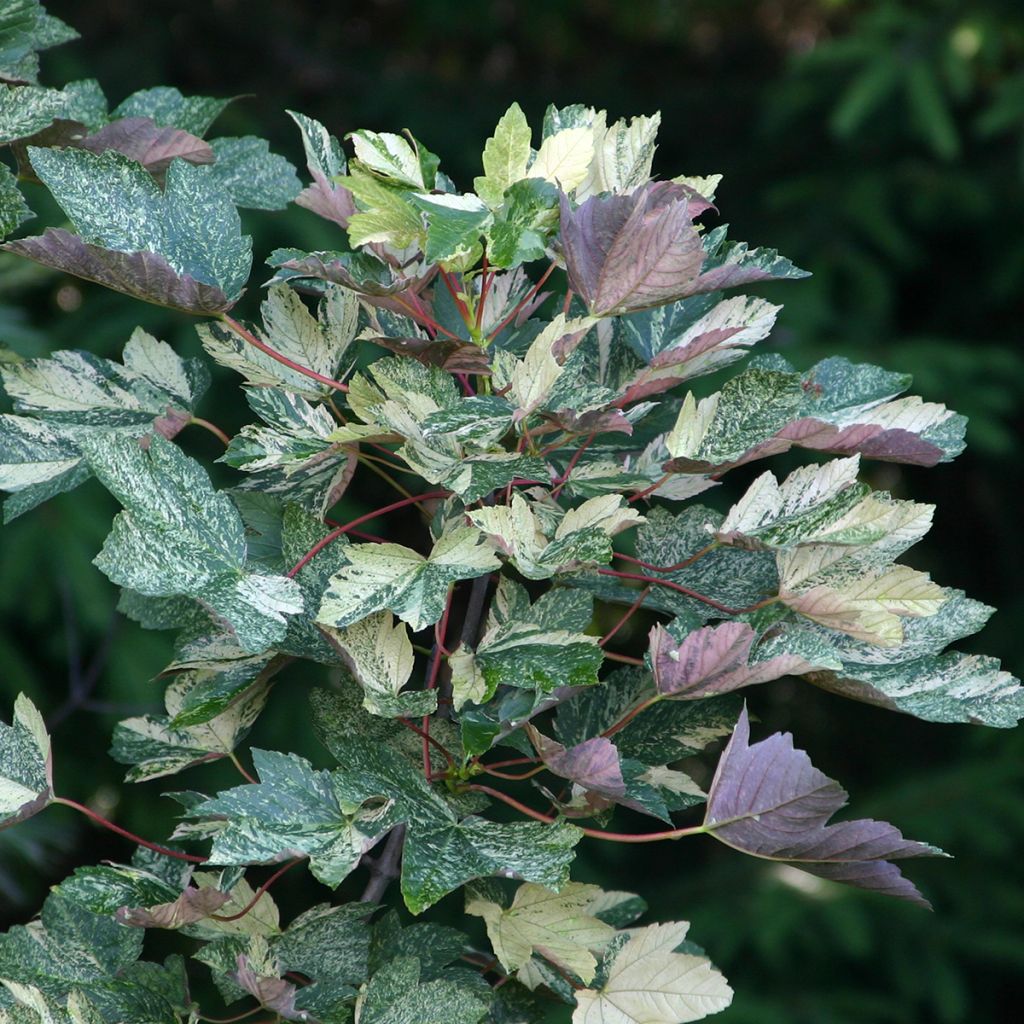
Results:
[715, 659]
[631, 252]
[593, 764]
[893, 444]
[144, 275]
[768, 800]
[327, 200]
[271, 993]
[139, 139]
[192, 905]
[446, 353]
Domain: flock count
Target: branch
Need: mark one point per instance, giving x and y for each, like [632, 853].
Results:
[384, 868]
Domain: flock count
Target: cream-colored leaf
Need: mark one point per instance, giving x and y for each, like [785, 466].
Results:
[564, 158]
[650, 984]
[554, 925]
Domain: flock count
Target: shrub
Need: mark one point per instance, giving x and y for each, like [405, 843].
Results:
[542, 432]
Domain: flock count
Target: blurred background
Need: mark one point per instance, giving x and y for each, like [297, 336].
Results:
[879, 145]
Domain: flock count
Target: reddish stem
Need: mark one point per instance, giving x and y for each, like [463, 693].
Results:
[594, 833]
[423, 317]
[259, 893]
[507, 764]
[409, 724]
[624, 658]
[514, 778]
[230, 1020]
[246, 335]
[561, 482]
[522, 303]
[336, 533]
[669, 568]
[100, 820]
[625, 618]
[650, 490]
[460, 305]
[485, 286]
[435, 668]
[688, 592]
[630, 715]
[198, 421]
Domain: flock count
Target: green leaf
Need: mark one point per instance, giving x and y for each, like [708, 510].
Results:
[524, 224]
[454, 226]
[293, 811]
[558, 926]
[25, 29]
[37, 461]
[168, 107]
[318, 343]
[646, 981]
[26, 766]
[152, 386]
[505, 157]
[379, 653]
[395, 995]
[386, 213]
[14, 211]
[519, 648]
[253, 176]
[117, 207]
[178, 536]
[156, 746]
[394, 577]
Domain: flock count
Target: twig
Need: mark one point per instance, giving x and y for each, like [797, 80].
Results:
[385, 868]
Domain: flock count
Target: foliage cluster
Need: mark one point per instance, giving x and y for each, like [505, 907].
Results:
[536, 425]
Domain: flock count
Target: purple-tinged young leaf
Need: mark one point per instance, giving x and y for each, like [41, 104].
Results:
[768, 800]
[144, 275]
[271, 992]
[325, 160]
[632, 252]
[593, 764]
[887, 444]
[192, 905]
[715, 659]
[152, 146]
[445, 353]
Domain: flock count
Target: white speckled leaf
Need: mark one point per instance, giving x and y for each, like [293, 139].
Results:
[319, 343]
[647, 982]
[414, 587]
[178, 536]
[37, 461]
[156, 746]
[622, 155]
[167, 106]
[26, 785]
[379, 653]
[115, 204]
[14, 211]
[252, 176]
[293, 811]
[78, 387]
[557, 925]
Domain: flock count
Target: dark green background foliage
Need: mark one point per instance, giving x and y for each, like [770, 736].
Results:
[878, 144]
